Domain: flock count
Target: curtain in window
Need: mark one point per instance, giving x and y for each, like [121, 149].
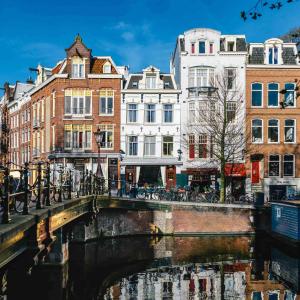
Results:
[163, 175]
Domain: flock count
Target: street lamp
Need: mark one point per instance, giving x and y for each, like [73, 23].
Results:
[98, 136]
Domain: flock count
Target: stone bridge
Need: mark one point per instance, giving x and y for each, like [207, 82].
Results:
[94, 216]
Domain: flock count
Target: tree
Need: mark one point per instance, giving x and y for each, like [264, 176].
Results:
[218, 121]
[256, 11]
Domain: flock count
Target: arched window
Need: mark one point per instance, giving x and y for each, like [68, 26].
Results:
[256, 94]
[107, 68]
[273, 94]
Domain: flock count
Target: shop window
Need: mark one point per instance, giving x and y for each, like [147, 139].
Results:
[288, 165]
[273, 131]
[273, 94]
[289, 131]
[257, 131]
[256, 93]
[274, 165]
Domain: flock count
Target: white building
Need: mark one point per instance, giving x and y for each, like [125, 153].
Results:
[150, 128]
[200, 54]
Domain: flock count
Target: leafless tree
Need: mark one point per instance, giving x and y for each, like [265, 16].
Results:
[218, 120]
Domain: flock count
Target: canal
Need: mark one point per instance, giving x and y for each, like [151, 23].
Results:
[189, 267]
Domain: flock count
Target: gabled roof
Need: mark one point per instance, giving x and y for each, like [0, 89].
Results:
[78, 39]
[97, 65]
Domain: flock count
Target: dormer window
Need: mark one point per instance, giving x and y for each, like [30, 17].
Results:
[135, 84]
[166, 85]
[107, 68]
[150, 81]
[230, 46]
[273, 55]
[77, 67]
[202, 47]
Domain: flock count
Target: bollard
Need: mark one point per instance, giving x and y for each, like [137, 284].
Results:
[39, 185]
[70, 186]
[26, 191]
[48, 202]
[5, 197]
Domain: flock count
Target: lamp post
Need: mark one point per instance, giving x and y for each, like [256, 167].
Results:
[179, 152]
[122, 176]
[98, 136]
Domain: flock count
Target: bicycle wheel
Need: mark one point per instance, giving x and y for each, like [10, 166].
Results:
[141, 194]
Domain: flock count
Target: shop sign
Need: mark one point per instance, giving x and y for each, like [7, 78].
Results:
[235, 170]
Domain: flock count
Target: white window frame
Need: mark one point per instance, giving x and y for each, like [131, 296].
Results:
[72, 107]
[168, 145]
[152, 111]
[294, 164]
[205, 47]
[108, 128]
[129, 143]
[295, 98]
[295, 131]
[132, 110]
[262, 94]
[278, 127]
[149, 145]
[107, 68]
[77, 74]
[234, 78]
[278, 97]
[150, 84]
[192, 112]
[168, 110]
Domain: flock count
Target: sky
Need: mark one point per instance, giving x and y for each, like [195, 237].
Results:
[136, 33]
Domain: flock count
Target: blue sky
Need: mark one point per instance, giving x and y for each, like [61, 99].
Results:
[134, 32]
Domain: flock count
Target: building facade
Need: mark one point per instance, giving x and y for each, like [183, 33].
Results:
[272, 114]
[81, 96]
[150, 128]
[200, 55]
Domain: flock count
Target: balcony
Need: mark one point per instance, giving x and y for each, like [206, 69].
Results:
[201, 90]
[36, 152]
[36, 123]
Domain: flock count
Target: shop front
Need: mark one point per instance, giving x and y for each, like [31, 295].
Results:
[235, 178]
[278, 189]
[203, 179]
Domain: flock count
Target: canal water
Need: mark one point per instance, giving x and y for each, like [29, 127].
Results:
[210, 267]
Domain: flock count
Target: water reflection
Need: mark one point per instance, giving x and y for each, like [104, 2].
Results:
[159, 268]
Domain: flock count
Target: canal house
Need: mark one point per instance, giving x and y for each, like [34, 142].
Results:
[150, 128]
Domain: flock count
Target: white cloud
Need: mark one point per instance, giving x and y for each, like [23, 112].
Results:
[128, 36]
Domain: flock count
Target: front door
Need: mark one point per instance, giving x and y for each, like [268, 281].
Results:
[171, 177]
[255, 172]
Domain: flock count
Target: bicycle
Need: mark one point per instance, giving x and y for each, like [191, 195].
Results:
[247, 198]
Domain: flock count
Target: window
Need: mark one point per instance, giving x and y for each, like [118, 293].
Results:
[77, 105]
[150, 81]
[107, 68]
[149, 146]
[289, 96]
[230, 111]
[211, 48]
[106, 102]
[202, 47]
[273, 132]
[273, 95]
[77, 67]
[106, 133]
[289, 131]
[135, 84]
[76, 137]
[191, 146]
[167, 145]
[192, 112]
[288, 165]
[168, 113]
[132, 145]
[273, 55]
[257, 131]
[230, 46]
[202, 146]
[193, 48]
[231, 75]
[274, 165]
[200, 77]
[150, 113]
[132, 113]
[256, 92]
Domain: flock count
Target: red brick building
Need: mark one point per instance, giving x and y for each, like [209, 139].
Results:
[81, 95]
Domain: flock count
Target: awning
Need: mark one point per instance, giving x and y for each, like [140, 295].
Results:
[235, 170]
